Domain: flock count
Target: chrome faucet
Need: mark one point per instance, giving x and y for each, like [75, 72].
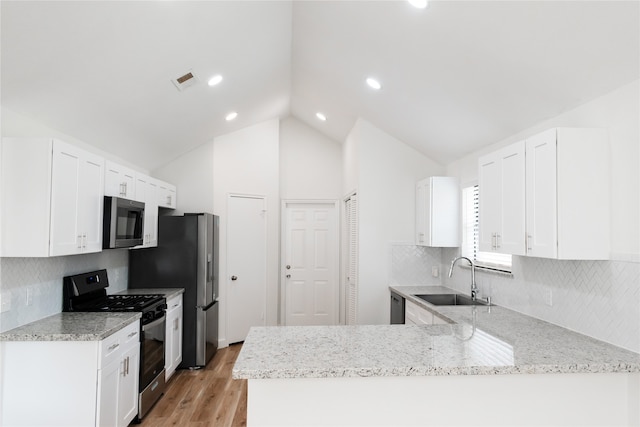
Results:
[474, 288]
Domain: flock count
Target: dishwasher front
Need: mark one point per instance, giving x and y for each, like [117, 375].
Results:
[397, 309]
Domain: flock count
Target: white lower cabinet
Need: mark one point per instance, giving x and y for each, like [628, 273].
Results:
[71, 383]
[173, 342]
[416, 315]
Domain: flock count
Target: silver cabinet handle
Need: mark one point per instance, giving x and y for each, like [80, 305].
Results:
[498, 237]
[132, 334]
[529, 238]
[113, 347]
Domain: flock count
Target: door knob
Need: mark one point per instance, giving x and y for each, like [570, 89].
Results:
[234, 277]
[288, 267]
[288, 276]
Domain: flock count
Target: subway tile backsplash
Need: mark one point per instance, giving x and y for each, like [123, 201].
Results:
[40, 281]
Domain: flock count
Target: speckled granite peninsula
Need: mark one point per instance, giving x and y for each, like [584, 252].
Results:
[72, 326]
[485, 354]
[484, 340]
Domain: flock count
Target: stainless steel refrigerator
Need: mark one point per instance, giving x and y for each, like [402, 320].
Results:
[186, 257]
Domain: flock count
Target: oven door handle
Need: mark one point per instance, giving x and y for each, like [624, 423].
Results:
[153, 324]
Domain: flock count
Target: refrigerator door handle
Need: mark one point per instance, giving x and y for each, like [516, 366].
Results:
[206, 307]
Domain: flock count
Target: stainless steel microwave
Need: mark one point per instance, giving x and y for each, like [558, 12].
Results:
[123, 223]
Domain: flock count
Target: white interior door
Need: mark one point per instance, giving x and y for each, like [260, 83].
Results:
[246, 265]
[311, 263]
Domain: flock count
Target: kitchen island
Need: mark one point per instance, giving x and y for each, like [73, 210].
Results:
[492, 366]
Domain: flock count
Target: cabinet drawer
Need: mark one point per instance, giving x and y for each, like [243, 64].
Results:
[174, 303]
[131, 334]
[112, 346]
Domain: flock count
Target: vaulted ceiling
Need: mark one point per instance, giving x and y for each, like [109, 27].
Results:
[455, 77]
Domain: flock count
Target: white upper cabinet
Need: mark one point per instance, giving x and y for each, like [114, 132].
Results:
[52, 198]
[166, 195]
[548, 196]
[147, 192]
[501, 182]
[568, 194]
[119, 181]
[438, 212]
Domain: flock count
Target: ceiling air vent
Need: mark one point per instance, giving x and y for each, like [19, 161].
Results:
[186, 80]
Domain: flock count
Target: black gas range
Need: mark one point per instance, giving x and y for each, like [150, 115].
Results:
[87, 292]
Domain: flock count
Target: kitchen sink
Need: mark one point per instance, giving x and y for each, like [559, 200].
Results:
[449, 299]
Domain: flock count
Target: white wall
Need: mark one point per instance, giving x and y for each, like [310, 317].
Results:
[247, 162]
[597, 298]
[310, 163]
[351, 161]
[387, 173]
[15, 124]
[192, 174]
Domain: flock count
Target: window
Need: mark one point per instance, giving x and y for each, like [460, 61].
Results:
[470, 235]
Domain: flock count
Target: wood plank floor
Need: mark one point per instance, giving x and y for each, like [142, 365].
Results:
[203, 398]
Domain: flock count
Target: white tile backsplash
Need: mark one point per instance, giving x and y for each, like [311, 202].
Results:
[412, 265]
[596, 298]
[42, 279]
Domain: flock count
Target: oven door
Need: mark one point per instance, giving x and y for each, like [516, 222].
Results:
[152, 351]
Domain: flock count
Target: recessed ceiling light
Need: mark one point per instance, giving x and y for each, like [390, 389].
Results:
[419, 4]
[215, 80]
[373, 83]
[321, 116]
[231, 116]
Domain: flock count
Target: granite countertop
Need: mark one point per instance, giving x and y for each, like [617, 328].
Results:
[484, 340]
[72, 326]
[168, 293]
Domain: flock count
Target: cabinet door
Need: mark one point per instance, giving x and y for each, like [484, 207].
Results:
[490, 201]
[173, 348]
[502, 200]
[421, 211]
[176, 347]
[128, 386]
[510, 234]
[77, 190]
[166, 195]
[151, 215]
[66, 235]
[108, 378]
[91, 200]
[119, 181]
[541, 197]
[147, 192]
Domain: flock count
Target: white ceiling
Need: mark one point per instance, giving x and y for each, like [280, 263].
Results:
[456, 76]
